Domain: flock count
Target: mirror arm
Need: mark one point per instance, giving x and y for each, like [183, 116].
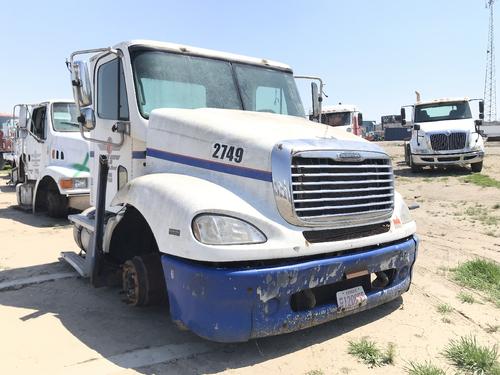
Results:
[100, 141]
[321, 85]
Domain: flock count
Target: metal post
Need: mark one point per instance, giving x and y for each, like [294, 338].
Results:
[96, 254]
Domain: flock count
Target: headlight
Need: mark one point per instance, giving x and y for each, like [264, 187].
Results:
[73, 183]
[225, 230]
[80, 183]
[401, 212]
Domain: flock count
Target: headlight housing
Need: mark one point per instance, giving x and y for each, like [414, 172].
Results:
[401, 212]
[213, 229]
[73, 183]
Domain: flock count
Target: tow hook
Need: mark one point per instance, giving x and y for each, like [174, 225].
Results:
[381, 281]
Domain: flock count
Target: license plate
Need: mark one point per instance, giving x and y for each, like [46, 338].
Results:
[351, 299]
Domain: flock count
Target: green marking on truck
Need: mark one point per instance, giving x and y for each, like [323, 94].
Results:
[81, 167]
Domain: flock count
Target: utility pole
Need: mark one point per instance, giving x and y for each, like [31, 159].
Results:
[490, 87]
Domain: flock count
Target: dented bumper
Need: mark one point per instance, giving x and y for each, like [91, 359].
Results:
[237, 304]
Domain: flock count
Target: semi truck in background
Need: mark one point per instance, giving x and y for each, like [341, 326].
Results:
[7, 123]
[343, 116]
[51, 170]
[444, 133]
[215, 194]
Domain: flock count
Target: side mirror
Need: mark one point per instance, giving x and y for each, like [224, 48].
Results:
[23, 117]
[403, 117]
[80, 80]
[87, 118]
[481, 109]
[416, 127]
[315, 100]
[360, 120]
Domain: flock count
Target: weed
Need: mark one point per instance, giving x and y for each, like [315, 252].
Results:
[466, 354]
[370, 354]
[481, 214]
[444, 308]
[446, 320]
[496, 206]
[480, 274]
[466, 297]
[492, 328]
[314, 372]
[482, 180]
[426, 368]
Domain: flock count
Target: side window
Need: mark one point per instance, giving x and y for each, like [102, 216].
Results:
[38, 122]
[112, 103]
[270, 99]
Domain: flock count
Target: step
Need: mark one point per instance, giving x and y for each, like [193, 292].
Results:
[76, 261]
[83, 220]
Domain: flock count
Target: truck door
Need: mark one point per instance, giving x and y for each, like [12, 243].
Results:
[35, 142]
[111, 109]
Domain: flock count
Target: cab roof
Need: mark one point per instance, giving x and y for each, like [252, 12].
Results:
[339, 108]
[190, 50]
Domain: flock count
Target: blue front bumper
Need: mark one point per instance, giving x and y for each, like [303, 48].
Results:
[237, 304]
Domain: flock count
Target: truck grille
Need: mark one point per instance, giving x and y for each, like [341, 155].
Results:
[452, 141]
[330, 189]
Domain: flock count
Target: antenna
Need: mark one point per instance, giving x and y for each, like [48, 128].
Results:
[490, 86]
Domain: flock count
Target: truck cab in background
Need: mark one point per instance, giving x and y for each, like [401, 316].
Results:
[444, 133]
[343, 116]
[214, 193]
[7, 124]
[51, 170]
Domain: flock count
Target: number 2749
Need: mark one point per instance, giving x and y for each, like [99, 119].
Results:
[230, 153]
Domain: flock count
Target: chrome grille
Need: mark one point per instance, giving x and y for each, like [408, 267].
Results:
[326, 188]
[452, 141]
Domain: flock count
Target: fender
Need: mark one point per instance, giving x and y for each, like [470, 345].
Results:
[56, 173]
[169, 202]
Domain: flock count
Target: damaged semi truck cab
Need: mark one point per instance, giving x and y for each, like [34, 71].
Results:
[51, 170]
[443, 134]
[220, 196]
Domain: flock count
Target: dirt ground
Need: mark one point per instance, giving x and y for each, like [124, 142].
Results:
[66, 326]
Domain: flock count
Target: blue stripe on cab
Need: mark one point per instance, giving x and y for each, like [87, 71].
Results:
[237, 170]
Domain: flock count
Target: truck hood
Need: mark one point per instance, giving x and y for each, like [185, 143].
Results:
[464, 125]
[203, 135]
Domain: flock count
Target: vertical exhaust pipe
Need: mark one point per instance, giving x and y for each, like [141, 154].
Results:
[96, 253]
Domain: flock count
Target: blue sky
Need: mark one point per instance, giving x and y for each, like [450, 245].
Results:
[370, 53]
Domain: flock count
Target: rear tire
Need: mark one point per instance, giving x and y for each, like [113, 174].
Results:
[2, 161]
[57, 204]
[477, 167]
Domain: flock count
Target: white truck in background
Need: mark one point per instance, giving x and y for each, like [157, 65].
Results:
[215, 194]
[443, 134]
[51, 170]
[343, 116]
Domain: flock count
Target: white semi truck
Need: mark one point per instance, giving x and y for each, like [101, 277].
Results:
[51, 170]
[214, 192]
[443, 134]
[343, 116]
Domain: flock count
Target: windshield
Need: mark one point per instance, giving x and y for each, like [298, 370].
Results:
[169, 80]
[65, 117]
[336, 118]
[442, 111]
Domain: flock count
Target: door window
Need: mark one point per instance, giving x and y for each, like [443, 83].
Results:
[38, 122]
[112, 101]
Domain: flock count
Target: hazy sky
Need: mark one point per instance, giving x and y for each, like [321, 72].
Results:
[371, 53]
